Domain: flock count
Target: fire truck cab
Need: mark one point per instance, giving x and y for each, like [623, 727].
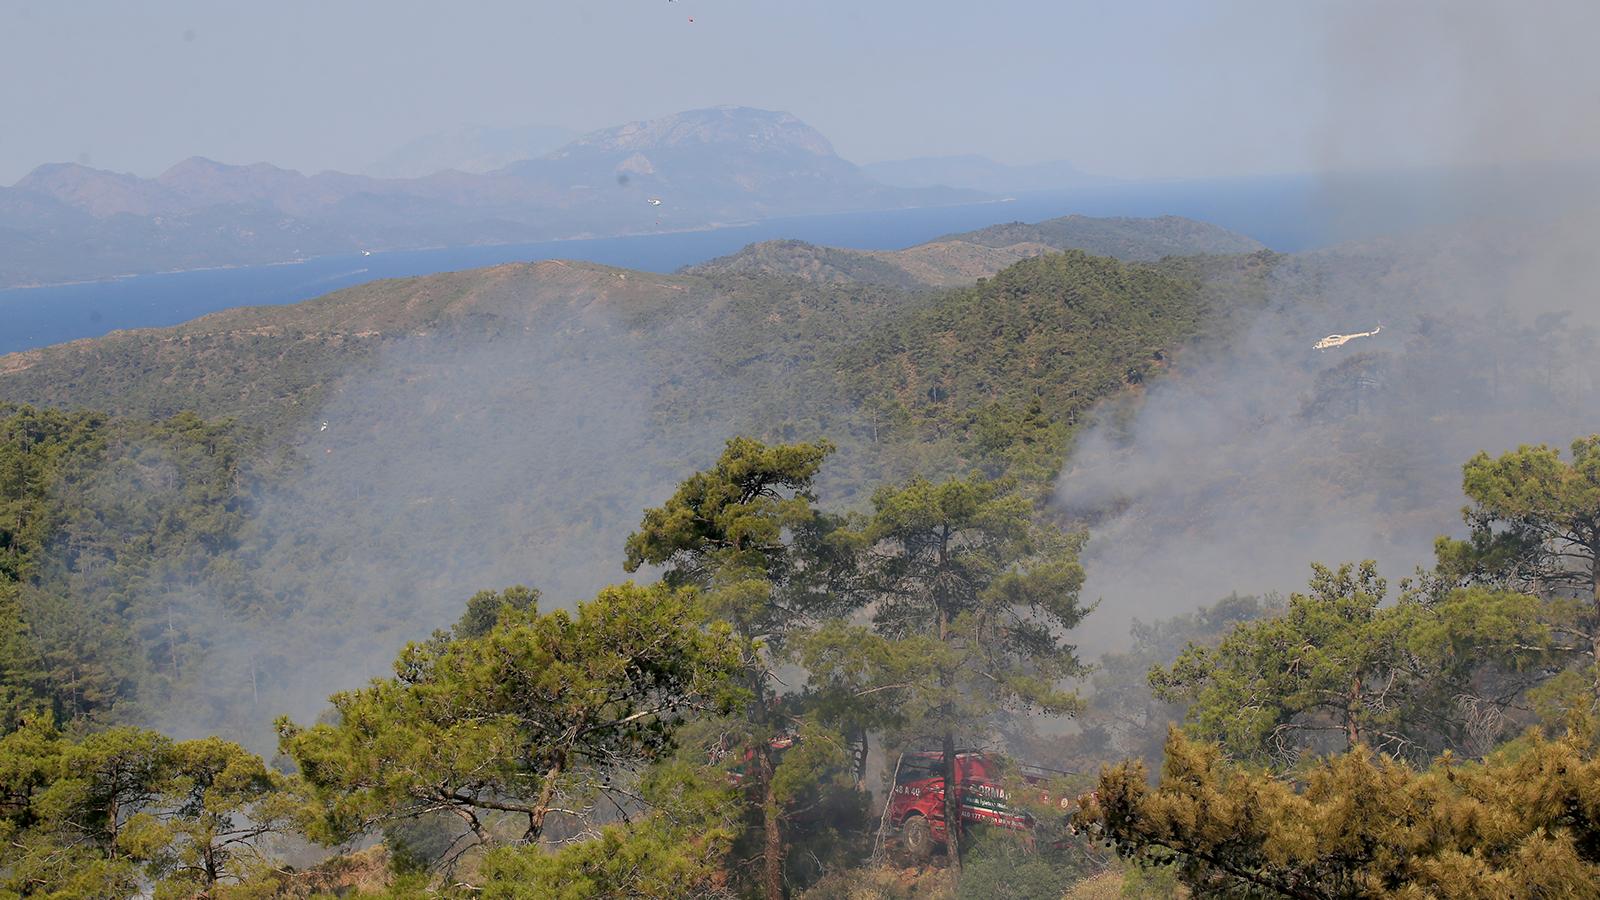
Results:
[916, 805]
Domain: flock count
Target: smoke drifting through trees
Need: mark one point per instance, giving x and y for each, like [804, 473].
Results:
[452, 466]
[515, 442]
[1244, 467]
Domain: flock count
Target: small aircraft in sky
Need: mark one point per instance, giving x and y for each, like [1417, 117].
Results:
[1339, 340]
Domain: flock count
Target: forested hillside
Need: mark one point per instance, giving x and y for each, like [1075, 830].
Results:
[112, 528]
[1122, 238]
[962, 258]
[841, 507]
[410, 441]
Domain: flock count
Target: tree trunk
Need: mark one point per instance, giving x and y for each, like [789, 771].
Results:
[547, 795]
[952, 802]
[861, 752]
[772, 832]
[1352, 726]
[212, 873]
[1594, 637]
[952, 790]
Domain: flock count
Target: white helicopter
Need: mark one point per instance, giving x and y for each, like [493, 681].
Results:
[1339, 340]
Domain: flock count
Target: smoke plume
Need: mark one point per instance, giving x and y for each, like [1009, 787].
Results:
[1263, 455]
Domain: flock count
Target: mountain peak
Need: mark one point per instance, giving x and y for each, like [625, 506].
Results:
[199, 167]
[47, 171]
[98, 191]
[194, 163]
[52, 177]
[755, 129]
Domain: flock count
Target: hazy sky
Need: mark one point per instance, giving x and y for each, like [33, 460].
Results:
[1121, 87]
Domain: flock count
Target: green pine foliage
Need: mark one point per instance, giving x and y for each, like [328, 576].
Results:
[534, 716]
[1339, 667]
[117, 812]
[113, 528]
[1522, 823]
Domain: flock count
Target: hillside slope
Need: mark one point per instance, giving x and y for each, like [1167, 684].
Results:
[1117, 236]
[420, 439]
[963, 258]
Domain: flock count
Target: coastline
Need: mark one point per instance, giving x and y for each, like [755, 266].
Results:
[583, 236]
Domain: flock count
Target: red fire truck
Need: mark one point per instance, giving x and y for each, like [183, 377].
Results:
[916, 806]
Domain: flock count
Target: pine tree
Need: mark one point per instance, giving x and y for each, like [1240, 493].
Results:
[745, 533]
[980, 597]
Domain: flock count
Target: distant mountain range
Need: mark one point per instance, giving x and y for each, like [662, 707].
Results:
[979, 173]
[65, 222]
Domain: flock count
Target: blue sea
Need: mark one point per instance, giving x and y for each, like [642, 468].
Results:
[1287, 214]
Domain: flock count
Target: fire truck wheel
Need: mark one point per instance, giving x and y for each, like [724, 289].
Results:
[917, 836]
